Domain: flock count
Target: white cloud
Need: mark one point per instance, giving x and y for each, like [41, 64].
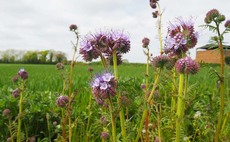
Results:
[43, 24]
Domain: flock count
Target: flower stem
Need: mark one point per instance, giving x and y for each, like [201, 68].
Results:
[146, 108]
[112, 121]
[221, 111]
[180, 108]
[20, 113]
[121, 113]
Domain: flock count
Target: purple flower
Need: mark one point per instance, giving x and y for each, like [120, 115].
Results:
[62, 101]
[16, 93]
[160, 61]
[104, 135]
[181, 37]
[104, 86]
[103, 43]
[23, 74]
[227, 24]
[145, 42]
[187, 65]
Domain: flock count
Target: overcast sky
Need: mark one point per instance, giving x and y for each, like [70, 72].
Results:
[44, 24]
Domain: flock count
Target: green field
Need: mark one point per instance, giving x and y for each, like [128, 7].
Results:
[45, 84]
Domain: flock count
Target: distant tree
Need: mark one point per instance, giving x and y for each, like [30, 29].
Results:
[43, 56]
[60, 57]
[30, 57]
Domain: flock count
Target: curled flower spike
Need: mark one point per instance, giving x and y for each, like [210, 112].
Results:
[62, 101]
[23, 74]
[181, 37]
[227, 24]
[160, 61]
[104, 87]
[187, 65]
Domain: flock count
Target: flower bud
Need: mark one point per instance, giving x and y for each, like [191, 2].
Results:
[16, 93]
[73, 27]
[103, 120]
[6, 112]
[104, 135]
[220, 18]
[227, 24]
[23, 74]
[15, 79]
[145, 42]
[62, 101]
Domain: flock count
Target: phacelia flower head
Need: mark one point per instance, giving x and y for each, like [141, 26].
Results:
[187, 65]
[23, 74]
[227, 24]
[145, 42]
[160, 61]
[62, 101]
[103, 43]
[16, 93]
[104, 87]
[73, 27]
[181, 37]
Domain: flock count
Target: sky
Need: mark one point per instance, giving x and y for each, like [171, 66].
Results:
[44, 24]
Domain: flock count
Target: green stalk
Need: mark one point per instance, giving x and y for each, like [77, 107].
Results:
[146, 108]
[121, 113]
[179, 108]
[146, 93]
[89, 114]
[71, 85]
[173, 102]
[221, 111]
[20, 113]
[158, 123]
[112, 121]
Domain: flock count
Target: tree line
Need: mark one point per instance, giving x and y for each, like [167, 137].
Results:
[32, 57]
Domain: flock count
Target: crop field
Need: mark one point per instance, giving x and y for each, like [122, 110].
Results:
[42, 118]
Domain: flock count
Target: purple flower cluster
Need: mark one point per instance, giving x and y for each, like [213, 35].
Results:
[104, 86]
[187, 65]
[62, 101]
[103, 44]
[181, 37]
